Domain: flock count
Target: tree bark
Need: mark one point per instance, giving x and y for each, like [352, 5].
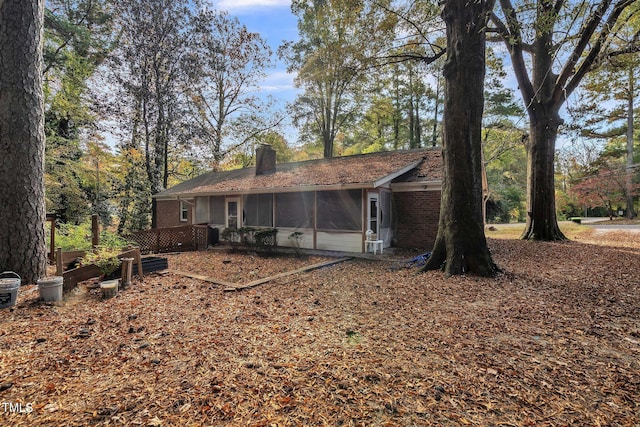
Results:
[327, 121]
[544, 121]
[22, 213]
[460, 245]
[328, 146]
[629, 172]
[542, 222]
[434, 134]
[412, 125]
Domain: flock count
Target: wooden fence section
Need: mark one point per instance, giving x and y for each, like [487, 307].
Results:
[53, 253]
[172, 239]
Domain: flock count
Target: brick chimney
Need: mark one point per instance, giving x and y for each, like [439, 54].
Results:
[265, 159]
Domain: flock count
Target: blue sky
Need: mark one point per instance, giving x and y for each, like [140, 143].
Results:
[275, 22]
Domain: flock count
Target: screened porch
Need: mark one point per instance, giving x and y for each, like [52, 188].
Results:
[328, 219]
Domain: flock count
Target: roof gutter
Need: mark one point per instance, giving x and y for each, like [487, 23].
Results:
[187, 201]
[401, 187]
[297, 189]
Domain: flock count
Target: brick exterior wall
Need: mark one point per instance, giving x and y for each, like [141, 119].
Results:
[417, 215]
[168, 213]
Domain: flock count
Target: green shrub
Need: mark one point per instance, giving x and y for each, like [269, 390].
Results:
[71, 237]
[236, 235]
[109, 239]
[296, 241]
[263, 239]
[106, 259]
[229, 234]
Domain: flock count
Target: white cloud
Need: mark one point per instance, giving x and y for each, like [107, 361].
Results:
[278, 81]
[237, 5]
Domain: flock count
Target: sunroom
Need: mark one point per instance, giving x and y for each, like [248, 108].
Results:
[326, 219]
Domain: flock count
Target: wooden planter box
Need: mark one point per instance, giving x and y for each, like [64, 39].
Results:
[72, 277]
[149, 265]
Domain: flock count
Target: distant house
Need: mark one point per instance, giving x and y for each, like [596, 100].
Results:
[333, 202]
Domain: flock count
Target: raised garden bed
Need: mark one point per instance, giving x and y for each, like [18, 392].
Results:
[72, 277]
[151, 264]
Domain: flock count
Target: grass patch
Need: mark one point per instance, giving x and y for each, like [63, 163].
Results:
[514, 231]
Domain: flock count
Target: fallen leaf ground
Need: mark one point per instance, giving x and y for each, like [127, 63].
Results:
[238, 267]
[554, 340]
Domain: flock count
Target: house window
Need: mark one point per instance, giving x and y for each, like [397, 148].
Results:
[340, 210]
[216, 210]
[184, 212]
[258, 210]
[294, 210]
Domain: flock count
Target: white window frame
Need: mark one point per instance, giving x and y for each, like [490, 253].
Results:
[370, 198]
[239, 213]
[184, 211]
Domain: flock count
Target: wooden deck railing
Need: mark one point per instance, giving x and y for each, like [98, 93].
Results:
[171, 239]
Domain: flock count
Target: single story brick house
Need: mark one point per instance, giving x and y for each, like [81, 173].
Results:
[332, 202]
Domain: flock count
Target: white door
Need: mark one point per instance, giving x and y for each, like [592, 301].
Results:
[233, 213]
[373, 213]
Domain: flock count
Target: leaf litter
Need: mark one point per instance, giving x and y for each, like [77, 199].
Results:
[553, 340]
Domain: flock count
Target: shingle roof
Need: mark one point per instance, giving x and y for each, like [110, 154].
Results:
[364, 170]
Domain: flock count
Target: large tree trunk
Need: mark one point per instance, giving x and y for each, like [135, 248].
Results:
[574, 54]
[542, 223]
[461, 245]
[328, 146]
[434, 134]
[629, 172]
[544, 121]
[22, 210]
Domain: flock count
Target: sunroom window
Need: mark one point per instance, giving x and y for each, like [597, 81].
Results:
[294, 210]
[340, 210]
[258, 210]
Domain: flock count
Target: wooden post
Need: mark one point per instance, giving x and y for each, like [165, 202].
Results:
[59, 269]
[95, 231]
[127, 272]
[138, 258]
[52, 238]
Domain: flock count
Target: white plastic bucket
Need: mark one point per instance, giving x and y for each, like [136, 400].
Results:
[9, 285]
[109, 288]
[50, 288]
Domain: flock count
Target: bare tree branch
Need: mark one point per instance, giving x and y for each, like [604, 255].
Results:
[594, 53]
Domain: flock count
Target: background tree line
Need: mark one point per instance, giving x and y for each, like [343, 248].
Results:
[140, 95]
[171, 82]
